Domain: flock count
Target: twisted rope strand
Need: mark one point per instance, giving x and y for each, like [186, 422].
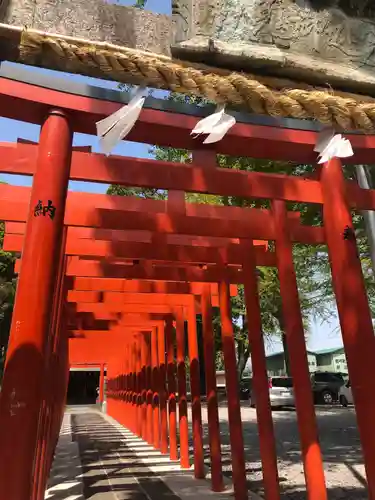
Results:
[237, 89]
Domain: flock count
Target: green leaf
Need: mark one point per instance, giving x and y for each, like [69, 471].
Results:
[140, 4]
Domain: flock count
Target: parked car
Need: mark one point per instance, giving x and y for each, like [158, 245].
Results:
[281, 392]
[326, 386]
[345, 394]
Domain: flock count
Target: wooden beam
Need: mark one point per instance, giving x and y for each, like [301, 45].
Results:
[141, 172]
[105, 335]
[135, 204]
[100, 310]
[137, 236]
[144, 172]
[30, 102]
[94, 269]
[118, 285]
[169, 253]
[115, 298]
[96, 295]
[92, 210]
[20, 140]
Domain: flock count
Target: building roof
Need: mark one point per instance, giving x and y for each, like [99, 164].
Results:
[329, 351]
[321, 351]
[280, 353]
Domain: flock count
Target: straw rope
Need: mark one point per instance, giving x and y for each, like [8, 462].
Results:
[127, 65]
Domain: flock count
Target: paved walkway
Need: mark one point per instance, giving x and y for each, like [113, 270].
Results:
[98, 459]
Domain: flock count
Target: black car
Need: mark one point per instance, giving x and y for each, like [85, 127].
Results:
[326, 386]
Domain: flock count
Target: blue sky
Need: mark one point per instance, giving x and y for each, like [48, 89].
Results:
[321, 336]
[160, 6]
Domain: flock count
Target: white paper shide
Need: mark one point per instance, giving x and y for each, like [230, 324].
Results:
[215, 126]
[116, 127]
[331, 145]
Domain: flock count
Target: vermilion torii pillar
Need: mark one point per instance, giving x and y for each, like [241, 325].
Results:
[51, 413]
[171, 384]
[196, 409]
[155, 388]
[163, 391]
[149, 412]
[353, 308]
[260, 377]
[181, 387]
[20, 399]
[144, 385]
[291, 311]
[139, 382]
[231, 384]
[212, 403]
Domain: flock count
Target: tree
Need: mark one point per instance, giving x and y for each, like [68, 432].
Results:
[155, 194]
[140, 4]
[311, 263]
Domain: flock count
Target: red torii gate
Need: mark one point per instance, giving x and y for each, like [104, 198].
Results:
[92, 297]
[36, 345]
[102, 311]
[146, 304]
[240, 473]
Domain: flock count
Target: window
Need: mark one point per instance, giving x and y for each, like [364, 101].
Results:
[327, 377]
[282, 382]
[324, 360]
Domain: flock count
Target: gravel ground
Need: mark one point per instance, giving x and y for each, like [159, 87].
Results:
[339, 440]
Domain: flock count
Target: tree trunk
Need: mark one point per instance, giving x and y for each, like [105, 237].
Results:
[242, 365]
[285, 345]
[286, 354]
[242, 352]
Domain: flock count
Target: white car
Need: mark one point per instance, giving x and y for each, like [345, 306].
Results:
[281, 392]
[345, 394]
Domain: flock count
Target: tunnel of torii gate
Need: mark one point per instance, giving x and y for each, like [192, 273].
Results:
[117, 282]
